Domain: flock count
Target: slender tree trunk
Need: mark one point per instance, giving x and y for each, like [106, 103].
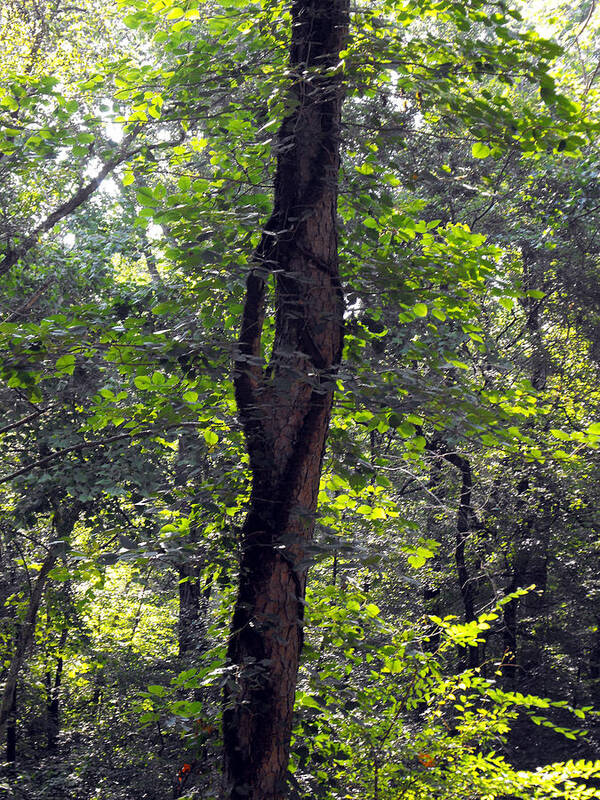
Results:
[463, 526]
[63, 524]
[53, 698]
[594, 666]
[11, 728]
[189, 608]
[285, 408]
[464, 519]
[431, 590]
[194, 598]
[25, 633]
[510, 613]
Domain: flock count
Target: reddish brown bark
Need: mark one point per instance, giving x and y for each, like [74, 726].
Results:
[285, 408]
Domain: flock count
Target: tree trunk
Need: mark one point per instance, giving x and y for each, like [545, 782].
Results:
[25, 633]
[464, 520]
[63, 524]
[11, 728]
[189, 608]
[594, 666]
[53, 683]
[194, 598]
[510, 613]
[463, 527]
[285, 408]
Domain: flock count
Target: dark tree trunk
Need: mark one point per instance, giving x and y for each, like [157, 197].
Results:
[594, 666]
[53, 683]
[63, 525]
[11, 728]
[193, 598]
[509, 638]
[463, 526]
[528, 567]
[285, 408]
[193, 609]
[464, 523]
[510, 613]
[25, 634]
[533, 278]
[189, 608]
[431, 591]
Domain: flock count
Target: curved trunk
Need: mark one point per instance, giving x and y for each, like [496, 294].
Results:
[285, 408]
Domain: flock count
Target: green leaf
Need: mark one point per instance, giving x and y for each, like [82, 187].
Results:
[59, 574]
[157, 691]
[145, 197]
[365, 169]
[480, 150]
[210, 437]
[132, 21]
[187, 708]
[66, 364]
[304, 700]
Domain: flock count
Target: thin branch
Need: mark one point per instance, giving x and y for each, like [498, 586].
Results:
[85, 445]
[494, 199]
[80, 197]
[27, 305]
[24, 420]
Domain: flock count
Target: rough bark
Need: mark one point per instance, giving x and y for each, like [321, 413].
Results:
[285, 408]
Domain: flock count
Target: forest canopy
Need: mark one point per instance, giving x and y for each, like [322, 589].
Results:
[299, 406]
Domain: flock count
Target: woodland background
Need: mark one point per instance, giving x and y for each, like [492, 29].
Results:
[452, 630]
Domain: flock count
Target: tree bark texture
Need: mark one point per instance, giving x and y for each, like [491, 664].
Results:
[285, 407]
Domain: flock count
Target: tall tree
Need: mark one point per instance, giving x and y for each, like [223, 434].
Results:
[285, 407]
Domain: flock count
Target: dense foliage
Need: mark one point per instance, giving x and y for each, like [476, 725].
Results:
[451, 625]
